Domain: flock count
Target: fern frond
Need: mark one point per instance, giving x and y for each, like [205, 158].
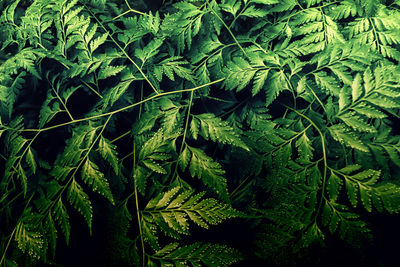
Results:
[185, 23]
[197, 254]
[343, 135]
[362, 184]
[37, 21]
[61, 216]
[369, 93]
[80, 201]
[207, 170]
[380, 33]
[108, 151]
[96, 180]
[171, 212]
[28, 237]
[212, 127]
[337, 217]
[317, 31]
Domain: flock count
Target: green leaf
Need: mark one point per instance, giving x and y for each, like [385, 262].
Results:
[345, 136]
[184, 158]
[356, 88]
[171, 211]
[209, 171]
[217, 130]
[198, 254]
[95, 179]
[108, 71]
[97, 42]
[109, 153]
[29, 239]
[238, 74]
[153, 166]
[334, 186]
[62, 218]
[80, 201]
[259, 80]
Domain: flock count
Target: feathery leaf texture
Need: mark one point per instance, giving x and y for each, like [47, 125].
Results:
[285, 110]
[197, 254]
[172, 211]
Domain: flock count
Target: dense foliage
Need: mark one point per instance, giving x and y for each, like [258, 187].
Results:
[182, 115]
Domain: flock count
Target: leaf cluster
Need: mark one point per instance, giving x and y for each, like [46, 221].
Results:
[182, 116]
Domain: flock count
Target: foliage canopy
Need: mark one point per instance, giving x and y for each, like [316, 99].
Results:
[191, 113]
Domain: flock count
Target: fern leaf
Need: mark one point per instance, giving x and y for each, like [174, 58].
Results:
[338, 218]
[327, 83]
[185, 24]
[217, 130]
[238, 74]
[23, 178]
[345, 136]
[284, 6]
[171, 211]
[9, 12]
[184, 158]
[28, 238]
[150, 50]
[62, 218]
[265, 2]
[96, 42]
[356, 88]
[153, 166]
[115, 93]
[30, 159]
[344, 10]
[370, 6]
[277, 84]
[304, 147]
[95, 179]
[334, 186]
[362, 184]
[156, 149]
[197, 254]
[209, 171]
[80, 201]
[259, 80]
[109, 71]
[357, 123]
[108, 152]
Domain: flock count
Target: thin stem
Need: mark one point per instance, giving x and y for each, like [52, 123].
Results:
[118, 110]
[241, 12]
[239, 186]
[130, 11]
[314, 94]
[126, 156]
[139, 218]
[187, 121]
[323, 155]
[119, 137]
[185, 130]
[61, 101]
[123, 50]
[7, 246]
[48, 208]
[141, 98]
[13, 232]
[12, 200]
[229, 30]
[92, 89]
